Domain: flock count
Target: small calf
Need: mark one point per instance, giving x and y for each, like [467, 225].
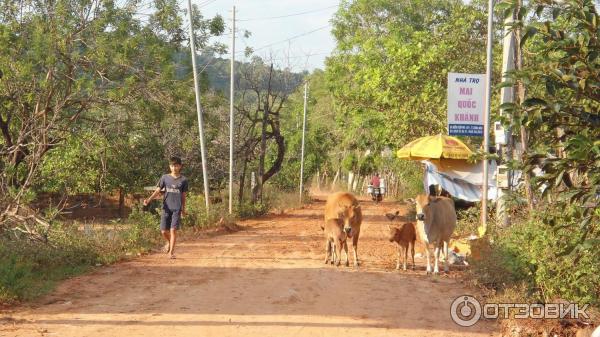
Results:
[335, 240]
[405, 236]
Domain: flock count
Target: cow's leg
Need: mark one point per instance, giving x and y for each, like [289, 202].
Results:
[328, 251]
[427, 255]
[346, 251]
[436, 256]
[354, 249]
[446, 266]
[405, 257]
[398, 259]
[338, 251]
[412, 252]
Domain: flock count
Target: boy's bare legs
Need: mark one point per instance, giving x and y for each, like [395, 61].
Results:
[172, 243]
[167, 237]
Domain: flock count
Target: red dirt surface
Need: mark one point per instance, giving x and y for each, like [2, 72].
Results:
[268, 279]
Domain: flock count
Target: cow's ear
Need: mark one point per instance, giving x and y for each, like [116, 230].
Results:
[390, 216]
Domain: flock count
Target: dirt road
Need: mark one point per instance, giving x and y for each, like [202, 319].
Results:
[266, 280]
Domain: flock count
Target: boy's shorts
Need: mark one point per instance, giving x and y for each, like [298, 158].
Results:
[170, 219]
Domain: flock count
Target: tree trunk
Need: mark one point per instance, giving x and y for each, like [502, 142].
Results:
[121, 203]
[242, 181]
[280, 141]
[335, 178]
[257, 191]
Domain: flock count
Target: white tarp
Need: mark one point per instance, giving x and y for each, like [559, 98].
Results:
[461, 179]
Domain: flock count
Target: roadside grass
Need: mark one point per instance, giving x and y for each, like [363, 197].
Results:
[528, 262]
[29, 269]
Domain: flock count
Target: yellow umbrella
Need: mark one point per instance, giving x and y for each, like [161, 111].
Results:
[435, 147]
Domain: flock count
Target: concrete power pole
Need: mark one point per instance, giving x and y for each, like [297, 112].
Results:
[302, 152]
[506, 96]
[486, 118]
[198, 107]
[231, 97]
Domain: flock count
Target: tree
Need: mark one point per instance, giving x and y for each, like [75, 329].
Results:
[69, 67]
[560, 110]
[264, 92]
[390, 67]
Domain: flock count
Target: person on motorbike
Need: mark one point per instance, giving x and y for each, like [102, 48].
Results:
[375, 181]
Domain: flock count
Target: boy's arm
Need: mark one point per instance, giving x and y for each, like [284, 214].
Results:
[183, 204]
[152, 197]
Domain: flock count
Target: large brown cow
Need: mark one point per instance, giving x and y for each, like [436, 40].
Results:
[344, 207]
[436, 220]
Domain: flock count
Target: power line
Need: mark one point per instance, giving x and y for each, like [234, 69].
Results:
[298, 56]
[289, 15]
[289, 39]
[206, 3]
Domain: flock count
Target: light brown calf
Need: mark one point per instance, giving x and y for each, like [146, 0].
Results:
[404, 235]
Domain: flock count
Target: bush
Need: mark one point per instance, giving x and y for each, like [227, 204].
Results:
[542, 257]
[249, 209]
[467, 220]
[196, 212]
[15, 277]
[29, 269]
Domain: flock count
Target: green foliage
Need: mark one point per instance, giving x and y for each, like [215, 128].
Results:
[250, 210]
[29, 269]
[467, 221]
[533, 253]
[142, 230]
[196, 212]
[389, 70]
[560, 112]
[88, 90]
[350, 162]
[15, 279]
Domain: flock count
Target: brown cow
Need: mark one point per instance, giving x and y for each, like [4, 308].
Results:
[436, 220]
[344, 207]
[335, 239]
[404, 236]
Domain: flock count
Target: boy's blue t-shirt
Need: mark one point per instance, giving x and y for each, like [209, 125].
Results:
[172, 187]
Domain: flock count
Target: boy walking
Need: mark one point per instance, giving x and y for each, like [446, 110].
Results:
[174, 186]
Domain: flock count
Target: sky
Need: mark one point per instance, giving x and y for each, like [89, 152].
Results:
[279, 38]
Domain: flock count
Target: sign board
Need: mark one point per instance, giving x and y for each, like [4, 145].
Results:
[466, 100]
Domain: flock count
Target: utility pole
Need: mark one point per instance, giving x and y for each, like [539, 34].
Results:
[198, 107]
[302, 152]
[520, 99]
[506, 96]
[486, 118]
[231, 97]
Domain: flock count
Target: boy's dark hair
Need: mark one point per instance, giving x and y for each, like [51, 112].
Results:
[175, 160]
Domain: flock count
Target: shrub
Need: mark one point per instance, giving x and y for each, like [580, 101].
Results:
[541, 256]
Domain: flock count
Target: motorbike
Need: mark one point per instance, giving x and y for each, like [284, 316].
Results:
[376, 193]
